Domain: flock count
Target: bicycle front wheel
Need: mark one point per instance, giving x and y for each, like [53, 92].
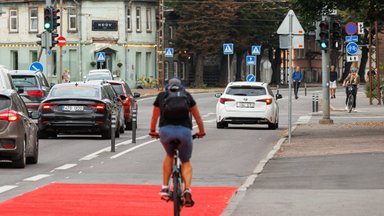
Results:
[350, 102]
[176, 195]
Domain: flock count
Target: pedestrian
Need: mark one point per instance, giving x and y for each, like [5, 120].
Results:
[297, 77]
[353, 79]
[175, 106]
[66, 76]
[332, 82]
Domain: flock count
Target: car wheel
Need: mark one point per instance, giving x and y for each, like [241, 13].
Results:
[22, 161]
[106, 134]
[42, 134]
[221, 124]
[272, 126]
[117, 131]
[122, 129]
[35, 156]
[128, 125]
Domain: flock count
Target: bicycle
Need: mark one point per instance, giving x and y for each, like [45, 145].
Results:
[176, 195]
[350, 98]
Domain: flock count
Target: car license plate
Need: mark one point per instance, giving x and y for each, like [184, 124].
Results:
[245, 105]
[72, 108]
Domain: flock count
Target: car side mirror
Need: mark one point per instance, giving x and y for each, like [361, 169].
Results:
[136, 94]
[279, 96]
[218, 95]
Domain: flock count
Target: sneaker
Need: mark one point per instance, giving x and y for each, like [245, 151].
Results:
[354, 110]
[334, 96]
[164, 192]
[188, 201]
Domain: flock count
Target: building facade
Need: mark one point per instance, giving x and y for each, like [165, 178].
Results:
[125, 31]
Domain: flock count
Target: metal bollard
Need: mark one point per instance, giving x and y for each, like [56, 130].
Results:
[113, 132]
[134, 124]
[305, 89]
[317, 102]
[313, 102]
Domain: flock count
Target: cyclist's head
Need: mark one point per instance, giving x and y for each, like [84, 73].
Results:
[354, 70]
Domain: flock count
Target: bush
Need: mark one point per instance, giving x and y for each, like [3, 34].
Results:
[374, 88]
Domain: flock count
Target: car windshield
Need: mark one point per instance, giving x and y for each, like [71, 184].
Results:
[118, 89]
[5, 102]
[99, 76]
[24, 81]
[75, 91]
[246, 90]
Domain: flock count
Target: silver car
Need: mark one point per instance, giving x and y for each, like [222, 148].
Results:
[18, 133]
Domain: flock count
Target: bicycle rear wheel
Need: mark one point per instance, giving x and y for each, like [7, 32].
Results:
[177, 194]
[350, 102]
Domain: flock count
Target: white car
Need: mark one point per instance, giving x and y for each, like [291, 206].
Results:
[99, 74]
[247, 103]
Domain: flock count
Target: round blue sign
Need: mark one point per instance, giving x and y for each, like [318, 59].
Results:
[36, 66]
[251, 78]
[351, 28]
[352, 48]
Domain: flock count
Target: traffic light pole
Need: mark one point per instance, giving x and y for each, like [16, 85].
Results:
[325, 54]
[48, 53]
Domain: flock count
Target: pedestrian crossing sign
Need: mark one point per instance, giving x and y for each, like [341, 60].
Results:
[228, 48]
[100, 56]
[168, 52]
[256, 50]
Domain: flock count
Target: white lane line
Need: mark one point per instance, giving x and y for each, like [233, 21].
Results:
[106, 149]
[37, 177]
[7, 188]
[133, 148]
[66, 166]
[303, 120]
[209, 121]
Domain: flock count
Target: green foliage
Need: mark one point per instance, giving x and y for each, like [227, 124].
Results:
[147, 82]
[374, 88]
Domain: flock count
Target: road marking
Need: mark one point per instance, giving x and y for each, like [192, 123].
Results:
[133, 148]
[209, 121]
[7, 188]
[37, 177]
[303, 120]
[66, 166]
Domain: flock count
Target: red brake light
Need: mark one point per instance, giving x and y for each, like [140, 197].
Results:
[100, 106]
[268, 101]
[223, 100]
[46, 106]
[10, 116]
[36, 93]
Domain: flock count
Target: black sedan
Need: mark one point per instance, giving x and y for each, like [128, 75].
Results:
[79, 108]
[18, 133]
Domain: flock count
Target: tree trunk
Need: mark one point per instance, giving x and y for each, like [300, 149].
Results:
[239, 56]
[363, 63]
[199, 75]
[276, 62]
[346, 71]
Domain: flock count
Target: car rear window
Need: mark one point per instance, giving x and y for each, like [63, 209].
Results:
[99, 76]
[246, 90]
[118, 89]
[75, 91]
[5, 102]
[24, 81]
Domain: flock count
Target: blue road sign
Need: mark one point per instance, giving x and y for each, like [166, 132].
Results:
[351, 28]
[251, 60]
[228, 48]
[251, 78]
[353, 38]
[256, 50]
[100, 56]
[168, 52]
[36, 66]
[352, 48]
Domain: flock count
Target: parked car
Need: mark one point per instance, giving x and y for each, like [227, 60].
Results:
[18, 133]
[247, 103]
[128, 100]
[99, 74]
[33, 86]
[6, 79]
[80, 108]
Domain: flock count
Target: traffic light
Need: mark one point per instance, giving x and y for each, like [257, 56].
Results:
[53, 41]
[55, 18]
[336, 32]
[43, 41]
[324, 34]
[48, 21]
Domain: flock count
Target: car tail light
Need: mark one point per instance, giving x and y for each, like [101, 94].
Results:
[36, 93]
[47, 107]
[223, 100]
[268, 101]
[99, 107]
[7, 144]
[10, 116]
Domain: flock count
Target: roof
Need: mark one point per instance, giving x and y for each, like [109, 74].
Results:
[242, 83]
[23, 72]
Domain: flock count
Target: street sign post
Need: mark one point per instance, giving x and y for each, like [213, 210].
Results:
[168, 52]
[351, 38]
[251, 78]
[61, 41]
[228, 50]
[100, 57]
[351, 28]
[256, 50]
[352, 48]
[352, 58]
[36, 66]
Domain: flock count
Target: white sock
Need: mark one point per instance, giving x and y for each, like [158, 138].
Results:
[164, 186]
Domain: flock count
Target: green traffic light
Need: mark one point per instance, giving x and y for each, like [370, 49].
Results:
[324, 45]
[47, 26]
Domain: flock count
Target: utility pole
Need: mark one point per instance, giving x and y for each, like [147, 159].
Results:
[61, 48]
[160, 46]
[374, 60]
[49, 58]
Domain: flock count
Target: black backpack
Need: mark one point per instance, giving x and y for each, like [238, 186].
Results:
[176, 104]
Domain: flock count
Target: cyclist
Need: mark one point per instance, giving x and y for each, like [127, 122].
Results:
[170, 130]
[352, 79]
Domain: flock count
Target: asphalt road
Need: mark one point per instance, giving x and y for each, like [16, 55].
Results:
[225, 157]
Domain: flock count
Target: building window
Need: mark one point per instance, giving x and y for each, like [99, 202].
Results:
[176, 69]
[138, 19]
[14, 60]
[166, 71]
[129, 19]
[33, 56]
[13, 21]
[72, 19]
[182, 70]
[148, 20]
[33, 20]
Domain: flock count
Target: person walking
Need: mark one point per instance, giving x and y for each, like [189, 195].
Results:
[297, 77]
[352, 79]
[332, 82]
[174, 107]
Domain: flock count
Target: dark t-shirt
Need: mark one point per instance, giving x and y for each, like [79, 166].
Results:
[333, 76]
[163, 122]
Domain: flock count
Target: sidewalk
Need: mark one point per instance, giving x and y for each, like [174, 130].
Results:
[327, 169]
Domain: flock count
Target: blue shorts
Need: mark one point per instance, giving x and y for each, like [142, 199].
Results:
[169, 133]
